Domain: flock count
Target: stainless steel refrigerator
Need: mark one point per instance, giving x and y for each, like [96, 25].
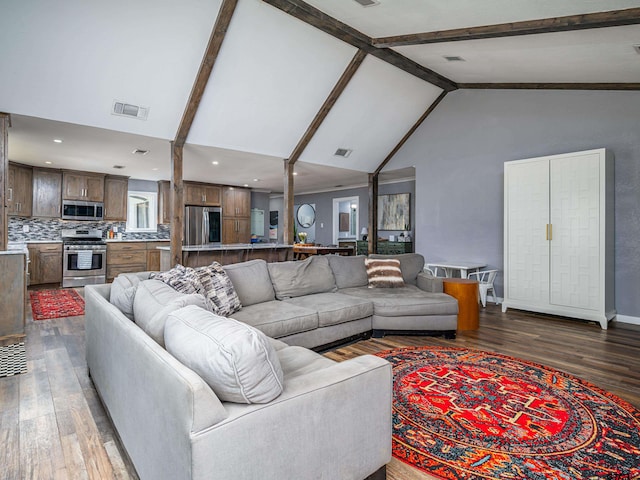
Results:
[202, 225]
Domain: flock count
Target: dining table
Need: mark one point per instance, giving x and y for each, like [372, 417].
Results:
[449, 267]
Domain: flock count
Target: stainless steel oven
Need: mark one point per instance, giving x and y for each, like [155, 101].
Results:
[84, 258]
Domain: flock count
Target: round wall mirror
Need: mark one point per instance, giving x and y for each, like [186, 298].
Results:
[306, 215]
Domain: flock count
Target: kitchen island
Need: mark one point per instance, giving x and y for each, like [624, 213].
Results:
[201, 255]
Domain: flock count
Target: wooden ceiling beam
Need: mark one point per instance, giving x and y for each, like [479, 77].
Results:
[431, 108]
[316, 18]
[208, 61]
[328, 104]
[551, 86]
[614, 18]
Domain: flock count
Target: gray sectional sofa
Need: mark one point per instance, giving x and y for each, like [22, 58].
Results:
[326, 299]
[330, 420]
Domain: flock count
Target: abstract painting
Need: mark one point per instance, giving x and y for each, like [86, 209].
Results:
[394, 211]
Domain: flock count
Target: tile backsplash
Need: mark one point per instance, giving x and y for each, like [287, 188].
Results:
[43, 229]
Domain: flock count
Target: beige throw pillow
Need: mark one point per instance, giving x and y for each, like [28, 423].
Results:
[384, 273]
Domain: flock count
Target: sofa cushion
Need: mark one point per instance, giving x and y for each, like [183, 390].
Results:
[349, 271]
[154, 301]
[252, 281]
[297, 278]
[406, 301]
[278, 319]
[384, 273]
[218, 289]
[334, 308]
[237, 361]
[180, 278]
[298, 361]
[410, 263]
[123, 292]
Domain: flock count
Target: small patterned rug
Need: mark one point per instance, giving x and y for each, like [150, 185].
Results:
[468, 414]
[56, 303]
[13, 360]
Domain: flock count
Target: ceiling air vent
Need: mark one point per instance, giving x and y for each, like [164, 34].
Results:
[118, 167]
[637, 47]
[128, 110]
[453, 58]
[343, 152]
[368, 3]
[139, 151]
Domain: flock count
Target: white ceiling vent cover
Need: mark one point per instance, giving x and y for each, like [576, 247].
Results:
[343, 152]
[368, 3]
[128, 110]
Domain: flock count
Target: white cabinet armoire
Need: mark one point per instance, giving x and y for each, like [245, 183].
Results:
[559, 235]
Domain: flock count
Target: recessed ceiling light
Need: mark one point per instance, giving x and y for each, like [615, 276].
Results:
[246, 184]
[256, 179]
[48, 162]
[57, 140]
[295, 173]
[155, 169]
[453, 58]
[215, 162]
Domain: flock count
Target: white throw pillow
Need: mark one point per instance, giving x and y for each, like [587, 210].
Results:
[123, 291]
[237, 361]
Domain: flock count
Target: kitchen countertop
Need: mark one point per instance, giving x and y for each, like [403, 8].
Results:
[20, 242]
[131, 240]
[231, 246]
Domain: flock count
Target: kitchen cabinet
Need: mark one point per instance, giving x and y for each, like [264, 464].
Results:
[46, 263]
[116, 189]
[13, 291]
[559, 235]
[236, 230]
[19, 190]
[164, 202]
[125, 257]
[236, 215]
[83, 186]
[153, 255]
[47, 193]
[201, 194]
[236, 202]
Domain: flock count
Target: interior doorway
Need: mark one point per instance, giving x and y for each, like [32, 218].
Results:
[345, 218]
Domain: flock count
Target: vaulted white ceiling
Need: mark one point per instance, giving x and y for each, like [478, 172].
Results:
[65, 62]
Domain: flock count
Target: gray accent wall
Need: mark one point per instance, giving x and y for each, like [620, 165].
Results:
[459, 152]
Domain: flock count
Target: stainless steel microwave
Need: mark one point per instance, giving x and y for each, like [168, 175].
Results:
[77, 210]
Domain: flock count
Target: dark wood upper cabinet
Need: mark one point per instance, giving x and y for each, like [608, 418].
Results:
[164, 202]
[83, 186]
[19, 190]
[236, 202]
[201, 194]
[47, 193]
[116, 189]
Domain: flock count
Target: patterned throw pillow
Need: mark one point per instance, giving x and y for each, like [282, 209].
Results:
[182, 279]
[218, 289]
[384, 273]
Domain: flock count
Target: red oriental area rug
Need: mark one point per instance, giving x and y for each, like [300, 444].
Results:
[47, 304]
[468, 414]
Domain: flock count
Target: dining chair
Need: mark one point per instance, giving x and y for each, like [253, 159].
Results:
[485, 283]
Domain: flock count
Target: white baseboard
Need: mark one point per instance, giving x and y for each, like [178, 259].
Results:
[627, 319]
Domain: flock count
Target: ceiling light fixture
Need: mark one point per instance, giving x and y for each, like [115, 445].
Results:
[57, 140]
[155, 169]
[48, 162]
[215, 162]
[295, 173]
[246, 184]
[256, 179]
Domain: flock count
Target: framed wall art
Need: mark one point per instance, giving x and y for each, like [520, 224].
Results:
[394, 211]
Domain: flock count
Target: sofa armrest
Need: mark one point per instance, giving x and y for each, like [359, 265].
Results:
[429, 283]
[334, 422]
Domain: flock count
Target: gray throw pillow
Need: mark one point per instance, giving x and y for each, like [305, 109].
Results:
[237, 361]
[218, 289]
[349, 271]
[297, 278]
[123, 291]
[252, 281]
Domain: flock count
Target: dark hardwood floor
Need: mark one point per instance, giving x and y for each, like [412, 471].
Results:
[52, 424]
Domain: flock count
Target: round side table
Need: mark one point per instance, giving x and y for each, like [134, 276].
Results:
[466, 292]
